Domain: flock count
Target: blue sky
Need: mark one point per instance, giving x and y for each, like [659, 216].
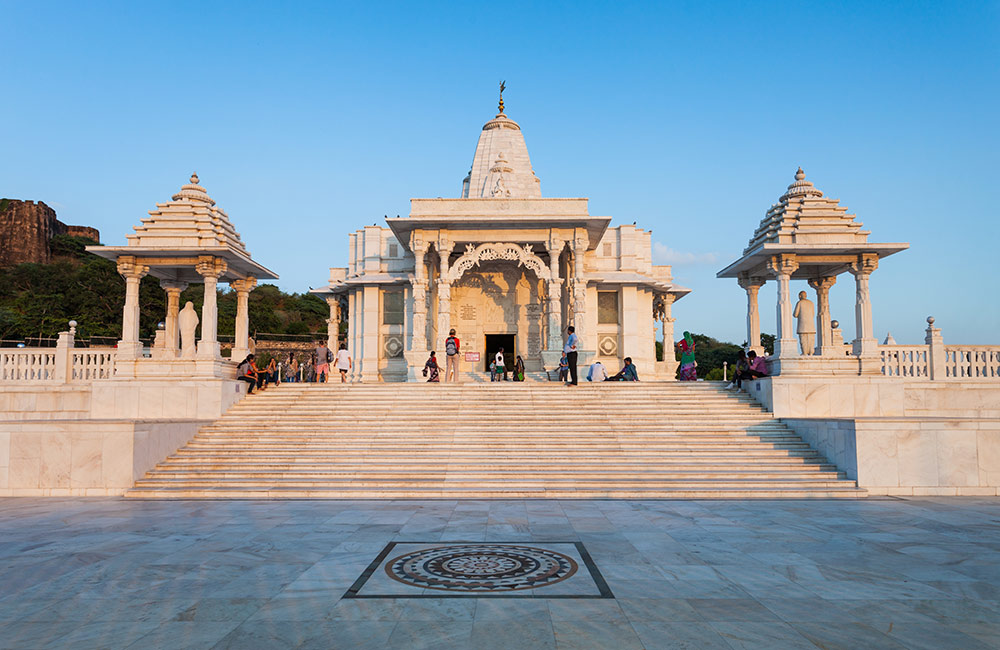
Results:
[308, 120]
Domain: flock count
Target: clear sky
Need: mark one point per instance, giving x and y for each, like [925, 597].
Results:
[308, 120]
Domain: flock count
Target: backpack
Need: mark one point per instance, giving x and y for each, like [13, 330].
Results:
[451, 346]
[329, 355]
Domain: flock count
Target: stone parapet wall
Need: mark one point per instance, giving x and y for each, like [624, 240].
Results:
[911, 456]
[84, 457]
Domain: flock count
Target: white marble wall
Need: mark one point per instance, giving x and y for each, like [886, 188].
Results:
[911, 456]
[96, 439]
[84, 457]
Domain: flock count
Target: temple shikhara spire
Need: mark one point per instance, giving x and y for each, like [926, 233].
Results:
[501, 167]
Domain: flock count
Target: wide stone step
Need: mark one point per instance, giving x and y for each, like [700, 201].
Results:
[581, 476]
[424, 441]
[718, 492]
[613, 482]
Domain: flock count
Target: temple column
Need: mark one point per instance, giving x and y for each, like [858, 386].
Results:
[210, 268]
[579, 285]
[171, 329]
[241, 347]
[752, 285]
[554, 289]
[865, 344]
[783, 266]
[444, 295]
[333, 323]
[824, 328]
[129, 347]
[667, 321]
[418, 341]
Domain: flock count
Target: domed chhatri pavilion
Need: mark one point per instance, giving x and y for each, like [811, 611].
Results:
[504, 267]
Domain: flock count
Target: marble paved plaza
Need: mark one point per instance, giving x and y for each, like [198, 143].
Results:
[878, 573]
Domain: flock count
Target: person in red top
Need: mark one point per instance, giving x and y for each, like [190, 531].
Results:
[452, 347]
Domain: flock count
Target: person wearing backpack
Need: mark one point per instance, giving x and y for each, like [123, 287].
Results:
[323, 358]
[451, 349]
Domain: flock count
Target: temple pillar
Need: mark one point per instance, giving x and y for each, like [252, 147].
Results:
[241, 347]
[171, 330]
[333, 323]
[443, 295]
[865, 344]
[579, 284]
[824, 328]
[129, 347]
[752, 285]
[369, 321]
[783, 266]
[554, 291]
[210, 268]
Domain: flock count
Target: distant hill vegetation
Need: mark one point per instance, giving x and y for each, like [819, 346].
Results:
[37, 300]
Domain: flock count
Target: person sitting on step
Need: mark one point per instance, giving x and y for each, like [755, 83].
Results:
[627, 373]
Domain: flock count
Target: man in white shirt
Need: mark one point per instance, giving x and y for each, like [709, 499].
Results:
[597, 372]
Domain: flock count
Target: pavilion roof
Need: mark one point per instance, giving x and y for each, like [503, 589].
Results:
[816, 228]
[179, 231]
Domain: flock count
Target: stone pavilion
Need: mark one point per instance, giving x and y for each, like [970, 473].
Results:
[505, 267]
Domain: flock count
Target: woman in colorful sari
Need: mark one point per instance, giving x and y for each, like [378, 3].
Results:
[689, 366]
[431, 369]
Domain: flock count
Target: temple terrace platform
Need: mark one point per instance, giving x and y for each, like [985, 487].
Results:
[878, 573]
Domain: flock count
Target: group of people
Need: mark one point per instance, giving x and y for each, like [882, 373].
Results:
[598, 372]
[317, 368]
[748, 366]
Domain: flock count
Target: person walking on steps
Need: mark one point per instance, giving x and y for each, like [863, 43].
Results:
[501, 368]
[571, 354]
[451, 349]
[291, 369]
[323, 358]
[343, 362]
[519, 369]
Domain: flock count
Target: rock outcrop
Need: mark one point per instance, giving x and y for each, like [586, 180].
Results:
[26, 227]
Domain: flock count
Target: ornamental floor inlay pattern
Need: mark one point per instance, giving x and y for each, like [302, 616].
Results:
[481, 568]
[471, 569]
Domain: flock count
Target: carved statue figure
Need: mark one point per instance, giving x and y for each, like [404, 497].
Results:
[805, 312]
[187, 319]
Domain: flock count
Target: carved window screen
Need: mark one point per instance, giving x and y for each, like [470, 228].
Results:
[607, 307]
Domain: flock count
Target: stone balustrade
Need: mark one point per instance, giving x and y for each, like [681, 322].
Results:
[27, 365]
[904, 360]
[935, 360]
[62, 364]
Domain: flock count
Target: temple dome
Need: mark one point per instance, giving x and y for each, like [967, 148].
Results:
[501, 167]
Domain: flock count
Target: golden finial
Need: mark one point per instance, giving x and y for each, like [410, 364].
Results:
[503, 87]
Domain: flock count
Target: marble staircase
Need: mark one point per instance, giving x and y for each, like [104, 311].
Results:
[502, 440]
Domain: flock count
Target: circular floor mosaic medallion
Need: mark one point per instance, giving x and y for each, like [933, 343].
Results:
[481, 567]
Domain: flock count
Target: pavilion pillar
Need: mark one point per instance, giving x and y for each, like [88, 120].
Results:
[171, 329]
[243, 287]
[129, 347]
[865, 344]
[210, 268]
[824, 327]
[443, 295]
[783, 266]
[752, 285]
